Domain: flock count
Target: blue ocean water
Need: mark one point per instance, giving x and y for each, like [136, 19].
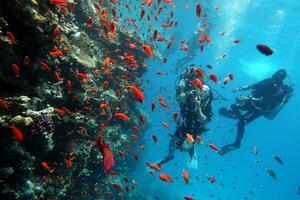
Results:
[238, 175]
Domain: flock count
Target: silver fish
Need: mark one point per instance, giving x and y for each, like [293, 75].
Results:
[271, 173]
[255, 150]
[278, 159]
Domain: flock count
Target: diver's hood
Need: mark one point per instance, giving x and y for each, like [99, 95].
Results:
[187, 146]
[279, 75]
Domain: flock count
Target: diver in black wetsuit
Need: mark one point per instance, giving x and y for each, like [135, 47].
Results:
[266, 99]
[196, 112]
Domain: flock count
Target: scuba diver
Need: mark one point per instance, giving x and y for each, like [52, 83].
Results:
[193, 44]
[196, 112]
[267, 98]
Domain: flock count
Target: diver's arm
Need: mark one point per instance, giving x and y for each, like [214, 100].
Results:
[252, 86]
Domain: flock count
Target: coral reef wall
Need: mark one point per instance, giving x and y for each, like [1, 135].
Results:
[64, 73]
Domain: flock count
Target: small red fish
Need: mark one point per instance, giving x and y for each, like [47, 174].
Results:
[118, 186]
[154, 138]
[3, 103]
[136, 156]
[212, 179]
[237, 41]
[175, 116]
[26, 60]
[207, 38]
[214, 147]
[56, 53]
[17, 133]
[148, 50]
[108, 158]
[165, 125]
[154, 166]
[197, 83]
[171, 42]
[153, 106]
[185, 175]
[11, 37]
[16, 69]
[121, 116]
[90, 22]
[59, 1]
[69, 86]
[57, 76]
[198, 10]
[44, 65]
[45, 166]
[121, 154]
[214, 78]
[142, 13]
[82, 75]
[137, 93]
[165, 178]
[142, 119]
[200, 73]
[188, 198]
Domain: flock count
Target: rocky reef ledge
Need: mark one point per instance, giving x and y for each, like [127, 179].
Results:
[62, 79]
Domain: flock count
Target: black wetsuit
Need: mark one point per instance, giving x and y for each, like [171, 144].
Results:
[190, 123]
[268, 94]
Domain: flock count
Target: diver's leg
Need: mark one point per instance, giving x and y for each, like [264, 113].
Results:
[172, 147]
[246, 119]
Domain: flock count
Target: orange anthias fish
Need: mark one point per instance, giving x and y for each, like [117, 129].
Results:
[198, 10]
[200, 73]
[59, 1]
[154, 138]
[165, 125]
[45, 166]
[152, 106]
[154, 166]
[16, 69]
[82, 75]
[11, 37]
[162, 102]
[148, 50]
[190, 138]
[185, 175]
[188, 198]
[69, 86]
[137, 93]
[213, 77]
[3, 103]
[106, 63]
[207, 38]
[121, 116]
[175, 116]
[214, 147]
[17, 133]
[90, 22]
[197, 83]
[108, 158]
[56, 53]
[165, 178]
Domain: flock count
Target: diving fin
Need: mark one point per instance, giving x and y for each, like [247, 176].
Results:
[193, 162]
